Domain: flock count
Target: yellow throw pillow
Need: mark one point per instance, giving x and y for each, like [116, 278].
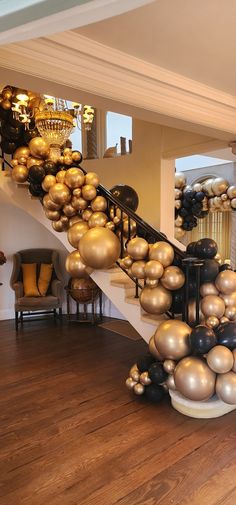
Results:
[30, 279]
[45, 276]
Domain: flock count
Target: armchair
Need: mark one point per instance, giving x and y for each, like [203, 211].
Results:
[52, 302]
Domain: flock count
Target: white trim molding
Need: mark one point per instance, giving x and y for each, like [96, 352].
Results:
[78, 62]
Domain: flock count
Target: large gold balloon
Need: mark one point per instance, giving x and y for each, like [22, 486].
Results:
[226, 282]
[33, 161]
[219, 186]
[153, 350]
[231, 192]
[212, 305]
[155, 300]
[21, 151]
[79, 203]
[99, 204]
[220, 359]
[129, 227]
[234, 356]
[137, 248]
[39, 147]
[194, 379]
[60, 177]
[97, 219]
[91, 178]
[49, 204]
[172, 339]
[180, 180]
[48, 182]
[208, 288]
[137, 269]
[60, 193]
[68, 210]
[226, 387]
[76, 232]
[76, 267]
[74, 178]
[20, 173]
[154, 269]
[99, 248]
[173, 278]
[162, 252]
[89, 192]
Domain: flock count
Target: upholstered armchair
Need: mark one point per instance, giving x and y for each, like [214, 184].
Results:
[52, 301]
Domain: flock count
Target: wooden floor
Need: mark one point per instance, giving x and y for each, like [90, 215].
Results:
[71, 434]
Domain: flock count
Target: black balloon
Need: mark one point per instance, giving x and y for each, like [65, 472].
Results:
[11, 132]
[206, 248]
[30, 134]
[177, 301]
[154, 393]
[36, 174]
[199, 196]
[202, 339]
[4, 114]
[191, 248]
[36, 190]
[183, 212]
[145, 362]
[157, 373]
[189, 194]
[50, 167]
[126, 195]
[226, 335]
[209, 271]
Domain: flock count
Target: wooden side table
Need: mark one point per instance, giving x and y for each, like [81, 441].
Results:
[83, 316]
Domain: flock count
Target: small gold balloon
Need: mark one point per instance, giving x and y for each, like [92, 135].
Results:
[21, 152]
[233, 203]
[74, 178]
[173, 278]
[178, 194]
[79, 203]
[137, 248]
[231, 192]
[6, 104]
[197, 187]
[224, 197]
[234, 357]
[152, 283]
[76, 156]
[77, 192]
[60, 177]
[20, 173]
[59, 226]
[129, 228]
[75, 219]
[76, 232]
[172, 339]
[212, 305]
[110, 225]
[67, 161]
[226, 387]
[194, 379]
[65, 221]
[179, 221]
[53, 215]
[145, 379]
[155, 300]
[180, 180]
[75, 266]
[48, 182]
[7, 93]
[207, 187]
[99, 204]
[67, 151]
[224, 320]
[130, 383]
[89, 192]
[134, 367]
[218, 258]
[178, 204]
[230, 313]
[169, 366]
[61, 161]
[219, 186]
[97, 219]
[68, 210]
[33, 161]
[162, 252]
[49, 204]
[86, 214]
[153, 350]
[116, 220]
[139, 389]
[14, 163]
[134, 374]
[170, 382]
[137, 269]
[39, 147]
[60, 193]
[154, 269]
[212, 322]
[208, 288]
[22, 160]
[127, 261]
[220, 359]
[226, 282]
[179, 233]
[99, 248]
[92, 178]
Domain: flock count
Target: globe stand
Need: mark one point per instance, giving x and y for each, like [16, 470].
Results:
[200, 410]
[83, 316]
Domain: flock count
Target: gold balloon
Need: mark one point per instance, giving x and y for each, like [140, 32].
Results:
[153, 350]
[53, 215]
[7, 93]
[89, 192]
[145, 379]
[233, 203]
[154, 269]
[76, 267]
[130, 383]
[173, 278]
[129, 226]
[65, 221]
[197, 187]
[49, 204]
[134, 373]
[21, 151]
[234, 357]
[97, 219]
[86, 214]
[208, 288]
[60, 193]
[110, 225]
[155, 300]
[99, 204]
[75, 219]
[152, 283]
[77, 192]
[74, 178]
[133, 368]
[6, 104]
[79, 203]
[137, 269]
[230, 313]
[68, 210]
[231, 192]
[169, 366]
[212, 322]
[229, 300]
[226, 282]
[212, 305]
[178, 194]
[39, 147]
[60, 177]
[207, 187]
[180, 180]
[76, 156]
[194, 379]
[91, 178]
[99, 248]
[33, 161]
[219, 186]
[137, 248]
[224, 197]
[22, 160]
[67, 151]
[170, 382]
[179, 233]
[20, 173]
[48, 182]
[116, 220]
[127, 261]
[178, 204]
[139, 389]
[14, 163]
[172, 339]
[67, 161]
[179, 221]
[162, 252]
[220, 359]
[226, 387]
[76, 232]
[224, 320]
[59, 225]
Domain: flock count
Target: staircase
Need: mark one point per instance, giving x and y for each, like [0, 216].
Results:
[115, 284]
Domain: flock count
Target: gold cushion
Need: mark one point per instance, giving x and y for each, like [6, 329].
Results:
[30, 279]
[45, 276]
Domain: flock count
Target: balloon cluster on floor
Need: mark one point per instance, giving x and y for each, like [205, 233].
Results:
[196, 201]
[199, 363]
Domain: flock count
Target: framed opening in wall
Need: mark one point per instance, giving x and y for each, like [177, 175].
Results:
[118, 137]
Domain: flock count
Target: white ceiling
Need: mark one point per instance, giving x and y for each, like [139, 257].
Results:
[195, 38]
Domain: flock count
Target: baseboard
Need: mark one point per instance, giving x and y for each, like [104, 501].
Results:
[7, 314]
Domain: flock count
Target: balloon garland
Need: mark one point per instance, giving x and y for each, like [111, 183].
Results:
[193, 202]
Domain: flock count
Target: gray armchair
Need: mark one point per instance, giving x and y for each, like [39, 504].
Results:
[52, 302]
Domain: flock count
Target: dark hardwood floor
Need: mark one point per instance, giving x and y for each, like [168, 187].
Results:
[71, 434]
